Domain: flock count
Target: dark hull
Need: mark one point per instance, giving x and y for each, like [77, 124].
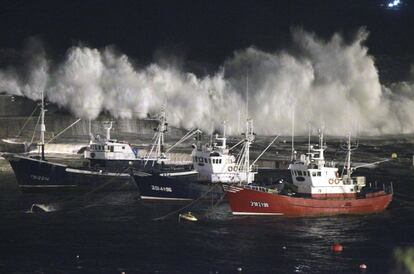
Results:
[116, 165]
[38, 175]
[247, 201]
[173, 186]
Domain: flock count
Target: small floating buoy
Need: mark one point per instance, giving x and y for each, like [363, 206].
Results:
[239, 269]
[284, 247]
[41, 208]
[337, 247]
[187, 216]
[363, 266]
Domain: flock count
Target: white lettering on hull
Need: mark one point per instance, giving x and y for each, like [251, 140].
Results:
[258, 204]
[39, 178]
[161, 188]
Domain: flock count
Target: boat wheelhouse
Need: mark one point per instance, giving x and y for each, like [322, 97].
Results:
[318, 178]
[215, 164]
[110, 153]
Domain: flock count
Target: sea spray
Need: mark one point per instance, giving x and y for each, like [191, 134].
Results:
[333, 83]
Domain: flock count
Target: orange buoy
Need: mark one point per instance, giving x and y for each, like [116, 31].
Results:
[337, 247]
[363, 266]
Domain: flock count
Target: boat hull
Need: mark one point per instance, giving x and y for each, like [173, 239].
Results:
[171, 186]
[39, 175]
[246, 201]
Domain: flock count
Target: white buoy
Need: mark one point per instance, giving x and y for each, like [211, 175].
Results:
[187, 216]
[41, 208]
[362, 266]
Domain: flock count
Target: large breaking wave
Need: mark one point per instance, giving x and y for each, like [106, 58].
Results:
[323, 82]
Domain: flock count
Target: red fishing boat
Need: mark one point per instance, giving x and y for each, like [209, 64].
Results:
[318, 189]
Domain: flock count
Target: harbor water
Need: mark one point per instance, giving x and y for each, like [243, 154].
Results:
[116, 232]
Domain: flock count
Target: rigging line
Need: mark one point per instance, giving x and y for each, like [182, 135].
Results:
[183, 139]
[241, 141]
[263, 152]
[186, 206]
[27, 121]
[149, 154]
[60, 133]
[34, 130]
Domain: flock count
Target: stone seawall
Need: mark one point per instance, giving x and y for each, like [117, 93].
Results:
[15, 113]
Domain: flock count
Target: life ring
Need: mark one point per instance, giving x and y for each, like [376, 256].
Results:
[229, 168]
[337, 181]
[235, 169]
[331, 181]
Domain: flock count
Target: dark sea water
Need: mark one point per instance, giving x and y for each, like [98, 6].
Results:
[116, 232]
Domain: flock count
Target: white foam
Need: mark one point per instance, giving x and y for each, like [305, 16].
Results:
[332, 82]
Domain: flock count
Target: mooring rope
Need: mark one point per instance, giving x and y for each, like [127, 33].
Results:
[186, 206]
[213, 207]
[82, 197]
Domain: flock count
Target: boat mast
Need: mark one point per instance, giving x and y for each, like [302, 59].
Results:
[108, 131]
[162, 128]
[309, 139]
[348, 162]
[293, 157]
[42, 126]
[320, 159]
[249, 140]
[90, 131]
[321, 146]
[224, 136]
[210, 95]
[248, 134]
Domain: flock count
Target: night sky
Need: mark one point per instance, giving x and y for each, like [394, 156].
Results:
[200, 31]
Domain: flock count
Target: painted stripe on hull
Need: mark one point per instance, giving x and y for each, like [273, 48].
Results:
[80, 171]
[256, 213]
[162, 198]
[192, 172]
[46, 186]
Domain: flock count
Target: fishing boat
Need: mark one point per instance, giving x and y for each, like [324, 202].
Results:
[158, 178]
[36, 173]
[318, 189]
